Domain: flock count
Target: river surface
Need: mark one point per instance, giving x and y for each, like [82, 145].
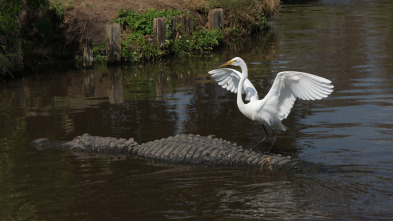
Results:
[347, 41]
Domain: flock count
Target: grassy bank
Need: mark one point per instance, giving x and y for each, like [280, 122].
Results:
[35, 33]
[137, 42]
[242, 18]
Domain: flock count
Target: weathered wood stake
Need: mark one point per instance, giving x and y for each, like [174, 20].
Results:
[159, 31]
[87, 52]
[113, 41]
[178, 27]
[216, 19]
[189, 24]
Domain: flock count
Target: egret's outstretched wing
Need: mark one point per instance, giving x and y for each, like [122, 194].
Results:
[229, 79]
[290, 85]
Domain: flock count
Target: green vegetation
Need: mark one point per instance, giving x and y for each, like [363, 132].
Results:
[200, 41]
[62, 5]
[99, 53]
[26, 30]
[142, 22]
[9, 29]
[32, 35]
[138, 44]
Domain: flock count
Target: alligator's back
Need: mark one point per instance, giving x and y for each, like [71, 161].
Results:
[193, 149]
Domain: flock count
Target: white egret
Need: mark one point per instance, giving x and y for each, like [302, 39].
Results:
[278, 102]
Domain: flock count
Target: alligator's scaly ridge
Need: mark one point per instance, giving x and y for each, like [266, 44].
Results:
[188, 149]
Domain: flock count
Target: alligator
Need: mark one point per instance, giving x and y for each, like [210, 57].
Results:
[206, 151]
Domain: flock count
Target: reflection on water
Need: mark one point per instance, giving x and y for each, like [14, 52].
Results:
[353, 47]
[348, 42]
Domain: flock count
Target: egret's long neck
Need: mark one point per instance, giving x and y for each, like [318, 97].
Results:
[240, 102]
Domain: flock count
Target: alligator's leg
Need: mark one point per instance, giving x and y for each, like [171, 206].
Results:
[267, 136]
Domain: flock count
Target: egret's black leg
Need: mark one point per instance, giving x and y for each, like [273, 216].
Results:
[267, 135]
[264, 128]
[274, 140]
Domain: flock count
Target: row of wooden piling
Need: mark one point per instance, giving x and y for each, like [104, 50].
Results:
[180, 25]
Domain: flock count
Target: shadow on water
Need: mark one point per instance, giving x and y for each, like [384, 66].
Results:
[348, 42]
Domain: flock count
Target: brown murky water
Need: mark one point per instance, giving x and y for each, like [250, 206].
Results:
[349, 42]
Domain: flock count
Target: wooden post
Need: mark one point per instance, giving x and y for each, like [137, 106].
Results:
[216, 19]
[178, 27]
[113, 41]
[159, 31]
[87, 52]
[189, 28]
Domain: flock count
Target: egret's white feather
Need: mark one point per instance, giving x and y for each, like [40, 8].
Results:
[278, 102]
[290, 85]
[229, 79]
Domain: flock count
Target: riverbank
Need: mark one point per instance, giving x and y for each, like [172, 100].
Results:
[88, 17]
[47, 33]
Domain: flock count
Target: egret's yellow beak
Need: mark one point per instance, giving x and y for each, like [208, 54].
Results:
[226, 64]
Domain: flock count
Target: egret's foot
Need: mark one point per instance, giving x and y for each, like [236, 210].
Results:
[259, 142]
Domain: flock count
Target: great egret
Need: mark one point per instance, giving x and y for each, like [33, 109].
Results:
[278, 102]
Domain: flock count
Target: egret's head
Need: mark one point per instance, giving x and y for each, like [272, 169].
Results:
[234, 61]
